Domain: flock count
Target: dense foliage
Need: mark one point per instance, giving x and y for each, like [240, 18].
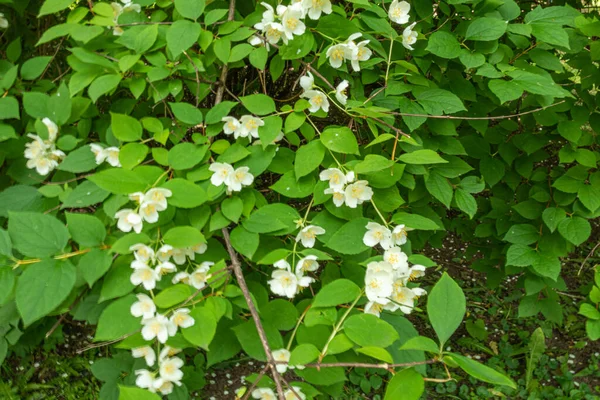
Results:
[199, 178]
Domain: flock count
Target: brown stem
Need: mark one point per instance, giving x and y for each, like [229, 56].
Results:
[225, 70]
[62, 317]
[397, 130]
[237, 270]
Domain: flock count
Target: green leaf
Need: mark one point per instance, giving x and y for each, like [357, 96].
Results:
[139, 38]
[303, 354]
[367, 330]
[42, 287]
[215, 114]
[183, 236]
[33, 68]
[186, 113]
[340, 291]
[20, 198]
[466, 202]
[244, 242]
[134, 393]
[53, 6]
[520, 255]
[443, 44]
[589, 196]
[421, 343]
[536, 346]
[86, 230]
[116, 320]
[191, 9]
[273, 218]
[119, 181]
[373, 163]
[377, 353]
[247, 336]
[522, 233]
[439, 101]
[424, 156]
[439, 187]
[125, 128]
[9, 108]
[132, 155]
[185, 193]
[407, 384]
[588, 311]
[546, 265]
[94, 265]
[222, 49]
[173, 295]
[181, 36]
[80, 160]
[340, 140]
[85, 194]
[446, 307]
[505, 90]
[186, 155]
[103, 85]
[258, 104]
[486, 29]
[290, 186]
[308, 158]
[575, 229]
[37, 235]
[415, 221]
[204, 329]
[349, 238]
[482, 372]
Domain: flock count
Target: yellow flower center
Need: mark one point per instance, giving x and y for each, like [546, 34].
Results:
[169, 368]
[357, 191]
[291, 23]
[179, 319]
[317, 100]
[150, 209]
[155, 327]
[146, 274]
[337, 54]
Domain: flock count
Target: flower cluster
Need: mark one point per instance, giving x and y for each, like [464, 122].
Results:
[119, 9]
[349, 51]
[398, 13]
[234, 179]
[108, 154]
[149, 204]
[386, 281]
[246, 127]
[344, 189]
[149, 267]
[42, 154]
[286, 21]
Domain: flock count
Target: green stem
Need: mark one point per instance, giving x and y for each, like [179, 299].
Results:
[379, 213]
[289, 345]
[338, 326]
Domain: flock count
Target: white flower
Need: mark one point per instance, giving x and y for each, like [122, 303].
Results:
[36, 148]
[398, 12]
[99, 153]
[3, 22]
[182, 319]
[396, 257]
[380, 266]
[240, 177]
[317, 99]
[337, 54]
[350, 176]
[307, 235]
[165, 267]
[145, 380]
[336, 178]
[264, 394]
[357, 193]
[128, 220]
[165, 252]
[416, 271]
[377, 234]
[164, 387]
[167, 352]
[409, 37]
[291, 20]
[199, 277]
[142, 253]
[200, 248]
[273, 33]
[158, 327]
[358, 52]
[138, 197]
[307, 81]
[282, 355]
[170, 369]
[52, 129]
[144, 307]
[149, 213]
[402, 298]
[130, 6]
[158, 197]
[289, 394]
[307, 264]
[221, 173]
[284, 283]
[399, 235]
[268, 16]
[180, 256]
[250, 125]
[146, 352]
[303, 281]
[144, 275]
[316, 7]
[42, 165]
[255, 40]
[340, 92]
[338, 196]
[282, 264]
[231, 126]
[373, 308]
[379, 286]
[112, 156]
[181, 277]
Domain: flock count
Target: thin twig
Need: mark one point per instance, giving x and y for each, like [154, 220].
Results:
[317, 73]
[475, 118]
[102, 344]
[397, 130]
[588, 257]
[225, 70]
[237, 270]
[197, 77]
[53, 57]
[292, 389]
[62, 317]
[258, 378]
[368, 365]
